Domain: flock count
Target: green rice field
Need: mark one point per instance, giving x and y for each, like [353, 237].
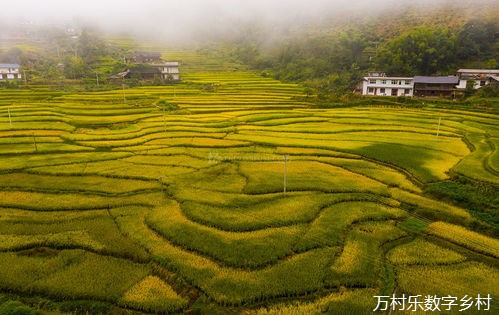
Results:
[114, 204]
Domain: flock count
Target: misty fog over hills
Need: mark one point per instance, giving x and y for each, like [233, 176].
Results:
[191, 21]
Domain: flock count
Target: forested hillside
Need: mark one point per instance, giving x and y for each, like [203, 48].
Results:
[332, 54]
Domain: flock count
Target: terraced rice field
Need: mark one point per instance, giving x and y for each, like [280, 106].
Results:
[106, 197]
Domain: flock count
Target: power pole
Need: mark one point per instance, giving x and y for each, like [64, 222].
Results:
[285, 170]
[34, 142]
[124, 97]
[10, 118]
[97, 76]
[164, 117]
[438, 129]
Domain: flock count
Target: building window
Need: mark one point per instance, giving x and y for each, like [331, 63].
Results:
[407, 91]
[407, 82]
[370, 90]
[372, 81]
[394, 82]
[383, 82]
[482, 83]
[382, 90]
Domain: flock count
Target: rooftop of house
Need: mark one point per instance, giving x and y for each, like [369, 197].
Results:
[9, 65]
[167, 64]
[376, 74]
[120, 75]
[487, 71]
[436, 80]
[149, 54]
[388, 78]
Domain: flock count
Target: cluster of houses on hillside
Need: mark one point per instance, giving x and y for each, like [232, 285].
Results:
[379, 84]
[143, 66]
[150, 66]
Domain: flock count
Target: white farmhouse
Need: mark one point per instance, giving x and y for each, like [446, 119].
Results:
[9, 71]
[377, 83]
[481, 77]
[170, 70]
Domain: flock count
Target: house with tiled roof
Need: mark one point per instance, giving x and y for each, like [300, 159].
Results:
[10, 71]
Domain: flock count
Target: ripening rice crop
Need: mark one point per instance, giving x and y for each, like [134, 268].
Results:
[234, 286]
[153, 295]
[431, 208]
[361, 261]
[386, 175]
[98, 277]
[422, 155]
[117, 169]
[352, 302]
[19, 162]
[465, 237]
[68, 239]
[27, 140]
[96, 232]
[422, 252]
[313, 152]
[36, 125]
[232, 248]
[41, 148]
[220, 177]
[70, 201]
[119, 185]
[329, 227]
[493, 160]
[468, 278]
[267, 177]
[165, 160]
[272, 210]
[199, 142]
[474, 164]
[74, 183]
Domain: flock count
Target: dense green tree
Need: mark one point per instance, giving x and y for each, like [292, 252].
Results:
[476, 40]
[470, 87]
[75, 68]
[90, 47]
[422, 51]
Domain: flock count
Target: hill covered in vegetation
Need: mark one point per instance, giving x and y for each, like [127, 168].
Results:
[333, 53]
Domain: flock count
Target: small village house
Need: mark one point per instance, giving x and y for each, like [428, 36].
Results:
[481, 77]
[9, 71]
[167, 71]
[434, 86]
[170, 70]
[149, 66]
[377, 83]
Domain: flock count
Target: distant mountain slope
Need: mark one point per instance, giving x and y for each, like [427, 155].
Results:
[333, 52]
